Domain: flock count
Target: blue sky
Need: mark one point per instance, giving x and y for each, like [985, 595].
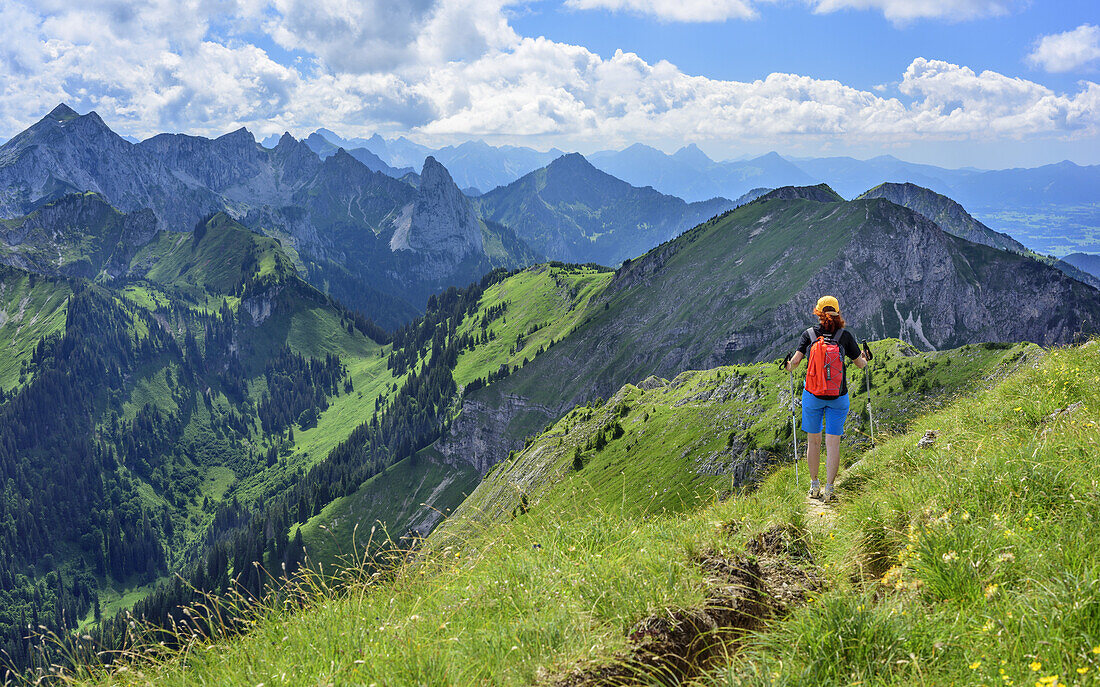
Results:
[990, 83]
[859, 48]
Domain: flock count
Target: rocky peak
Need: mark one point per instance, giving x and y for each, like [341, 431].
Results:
[692, 155]
[242, 137]
[62, 113]
[441, 220]
[286, 141]
[820, 193]
[945, 212]
[571, 163]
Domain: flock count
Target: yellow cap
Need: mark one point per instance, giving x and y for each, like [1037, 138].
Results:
[827, 302]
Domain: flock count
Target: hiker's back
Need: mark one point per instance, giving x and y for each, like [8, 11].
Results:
[825, 368]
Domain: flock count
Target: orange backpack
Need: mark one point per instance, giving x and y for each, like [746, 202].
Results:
[825, 371]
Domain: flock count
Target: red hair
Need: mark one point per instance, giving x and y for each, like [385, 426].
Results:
[831, 320]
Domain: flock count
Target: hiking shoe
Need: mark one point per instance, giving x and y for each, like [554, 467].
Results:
[815, 489]
[828, 495]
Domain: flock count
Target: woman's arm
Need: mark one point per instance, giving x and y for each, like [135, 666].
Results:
[794, 361]
[860, 362]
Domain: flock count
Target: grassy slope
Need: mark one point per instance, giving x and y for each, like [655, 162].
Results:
[551, 299]
[973, 562]
[675, 453]
[566, 581]
[217, 263]
[387, 507]
[27, 313]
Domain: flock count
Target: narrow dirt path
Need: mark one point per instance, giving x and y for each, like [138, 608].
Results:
[775, 574]
[820, 516]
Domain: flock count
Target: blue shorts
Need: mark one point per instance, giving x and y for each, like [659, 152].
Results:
[814, 409]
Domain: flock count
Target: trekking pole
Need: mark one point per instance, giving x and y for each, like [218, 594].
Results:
[794, 426]
[867, 375]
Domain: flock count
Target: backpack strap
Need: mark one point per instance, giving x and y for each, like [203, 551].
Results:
[813, 338]
[836, 335]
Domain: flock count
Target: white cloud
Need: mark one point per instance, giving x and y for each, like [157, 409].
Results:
[1063, 52]
[547, 89]
[457, 70]
[904, 11]
[360, 36]
[680, 10]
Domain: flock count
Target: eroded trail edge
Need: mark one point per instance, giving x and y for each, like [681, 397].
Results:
[774, 575]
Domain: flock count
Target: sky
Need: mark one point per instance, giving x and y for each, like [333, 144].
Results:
[983, 83]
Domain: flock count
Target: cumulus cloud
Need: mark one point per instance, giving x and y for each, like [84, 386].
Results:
[456, 69]
[1063, 52]
[546, 88]
[377, 35]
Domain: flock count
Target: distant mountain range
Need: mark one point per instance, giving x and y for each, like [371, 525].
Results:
[574, 212]
[690, 174]
[363, 226]
[1013, 198]
[379, 244]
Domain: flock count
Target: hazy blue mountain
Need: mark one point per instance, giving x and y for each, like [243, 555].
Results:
[687, 174]
[471, 164]
[850, 176]
[325, 148]
[1086, 262]
[398, 152]
[571, 211]
[691, 175]
[1061, 183]
[478, 164]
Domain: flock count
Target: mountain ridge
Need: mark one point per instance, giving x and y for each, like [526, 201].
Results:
[572, 210]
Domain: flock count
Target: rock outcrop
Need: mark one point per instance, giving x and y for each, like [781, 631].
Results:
[946, 213]
[440, 224]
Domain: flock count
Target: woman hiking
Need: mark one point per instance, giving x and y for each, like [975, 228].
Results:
[825, 397]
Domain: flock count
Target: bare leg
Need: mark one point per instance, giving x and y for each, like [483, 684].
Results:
[832, 456]
[813, 453]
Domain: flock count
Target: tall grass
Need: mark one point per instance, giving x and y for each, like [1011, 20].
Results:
[973, 562]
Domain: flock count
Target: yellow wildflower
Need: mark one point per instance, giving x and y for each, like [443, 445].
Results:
[1036, 666]
[975, 665]
[1082, 670]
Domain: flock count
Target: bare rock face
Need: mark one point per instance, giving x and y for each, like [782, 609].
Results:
[65, 152]
[440, 224]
